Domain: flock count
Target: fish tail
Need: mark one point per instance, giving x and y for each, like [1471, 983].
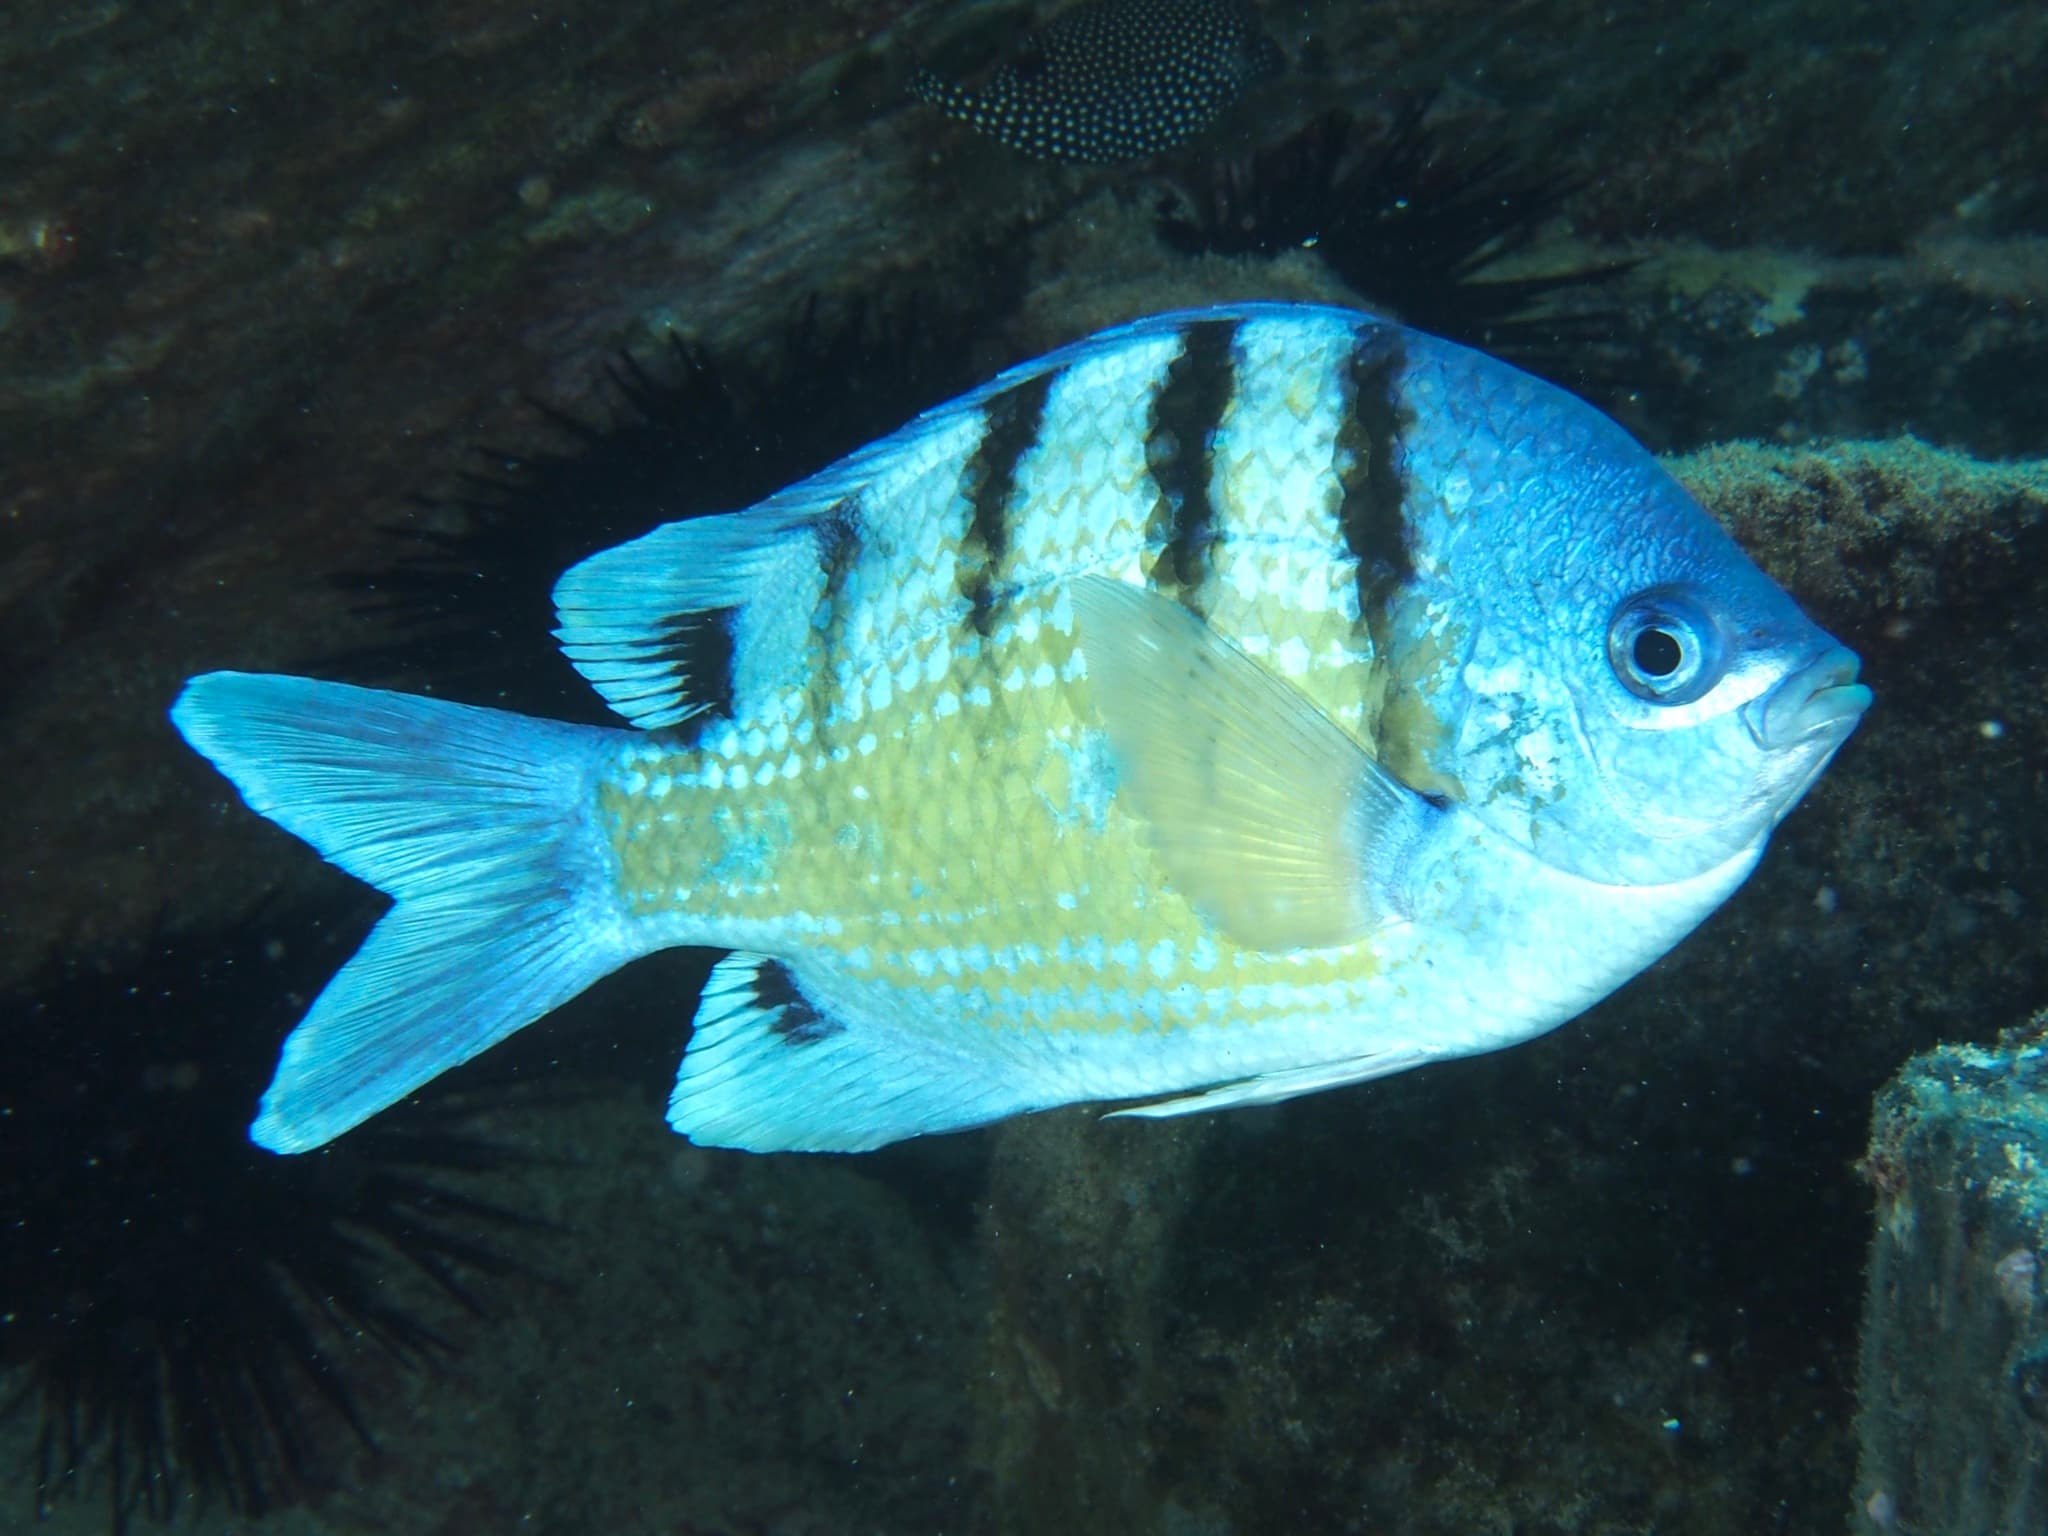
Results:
[477, 822]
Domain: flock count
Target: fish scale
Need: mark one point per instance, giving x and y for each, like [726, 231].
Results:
[1085, 498]
[1283, 580]
[1232, 705]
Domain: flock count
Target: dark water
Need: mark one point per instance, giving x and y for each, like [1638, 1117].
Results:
[329, 337]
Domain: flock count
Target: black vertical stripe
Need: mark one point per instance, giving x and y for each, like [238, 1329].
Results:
[837, 541]
[1178, 436]
[1374, 521]
[1013, 422]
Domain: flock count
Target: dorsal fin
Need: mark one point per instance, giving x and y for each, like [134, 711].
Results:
[646, 622]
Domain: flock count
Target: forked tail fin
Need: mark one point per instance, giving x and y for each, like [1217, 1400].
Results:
[480, 824]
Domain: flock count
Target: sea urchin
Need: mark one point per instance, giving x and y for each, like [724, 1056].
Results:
[175, 1301]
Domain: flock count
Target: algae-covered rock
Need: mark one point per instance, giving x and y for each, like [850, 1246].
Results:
[1953, 1422]
[1924, 843]
[1893, 528]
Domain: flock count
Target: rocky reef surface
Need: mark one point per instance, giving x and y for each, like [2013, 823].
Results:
[1954, 1396]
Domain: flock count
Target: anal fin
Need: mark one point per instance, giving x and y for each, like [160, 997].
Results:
[777, 1063]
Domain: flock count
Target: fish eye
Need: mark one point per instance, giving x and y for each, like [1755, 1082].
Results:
[1657, 652]
[1664, 648]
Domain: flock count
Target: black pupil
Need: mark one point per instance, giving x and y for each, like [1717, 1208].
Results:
[1657, 653]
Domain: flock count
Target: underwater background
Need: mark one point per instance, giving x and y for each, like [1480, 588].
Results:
[330, 334]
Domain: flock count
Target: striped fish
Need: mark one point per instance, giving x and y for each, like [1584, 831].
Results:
[1231, 705]
[1112, 80]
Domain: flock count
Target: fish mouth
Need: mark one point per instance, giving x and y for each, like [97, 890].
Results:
[1821, 699]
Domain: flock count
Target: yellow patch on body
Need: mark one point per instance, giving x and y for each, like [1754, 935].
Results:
[964, 836]
[975, 846]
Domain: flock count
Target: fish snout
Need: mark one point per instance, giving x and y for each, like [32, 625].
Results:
[1822, 699]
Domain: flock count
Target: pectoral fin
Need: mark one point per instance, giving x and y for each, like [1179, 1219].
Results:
[1272, 822]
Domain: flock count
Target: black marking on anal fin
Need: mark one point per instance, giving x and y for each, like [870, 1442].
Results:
[1178, 438]
[1011, 428]
[795, 1021]
[1372, 514]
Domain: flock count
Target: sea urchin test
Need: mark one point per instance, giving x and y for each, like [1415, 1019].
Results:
[1235, 704]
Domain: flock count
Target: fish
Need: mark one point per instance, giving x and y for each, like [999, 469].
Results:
[1111, 80]
[1237, 703]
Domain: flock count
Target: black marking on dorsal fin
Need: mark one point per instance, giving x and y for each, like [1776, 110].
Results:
[794, 1021]
[1185, 413]
[700, 647]
[1372, 514]
[1011, 426]
[705, 612]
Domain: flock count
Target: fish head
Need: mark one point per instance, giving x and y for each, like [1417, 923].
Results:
[1591, 665]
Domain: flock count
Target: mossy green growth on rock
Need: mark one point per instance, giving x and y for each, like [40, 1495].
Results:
[1857, 525]
[1953, 1416]
[1928, 563]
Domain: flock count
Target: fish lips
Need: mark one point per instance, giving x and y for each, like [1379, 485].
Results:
[1818, 705]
